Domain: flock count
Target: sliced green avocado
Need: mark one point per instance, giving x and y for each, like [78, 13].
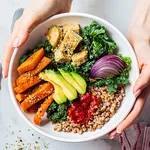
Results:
[79, 80]
[72, 81]
[68, 89]
[59, 95]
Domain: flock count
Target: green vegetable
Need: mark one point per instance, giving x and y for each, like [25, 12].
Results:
[114, 82]
[25, 57]
[46, 45]
[83, 70]
[79, 84]
[67, 88]
[58, 95]
[97, 41]
[47, 48]
[58, 113]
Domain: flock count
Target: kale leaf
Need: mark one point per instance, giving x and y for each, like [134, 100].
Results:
[47, 48]
[25, 57]
[97, 41]
[58, 113]
[114, 82]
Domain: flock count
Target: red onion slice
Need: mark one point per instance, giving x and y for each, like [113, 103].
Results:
[109, 65]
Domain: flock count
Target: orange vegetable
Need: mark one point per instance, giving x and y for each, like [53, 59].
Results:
[31, 62]
[43, 91]
[34, 108]
[26, 76]
[31, 82]
[21, 97]
[41, 111]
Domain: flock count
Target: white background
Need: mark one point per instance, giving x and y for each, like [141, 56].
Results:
[118, 12]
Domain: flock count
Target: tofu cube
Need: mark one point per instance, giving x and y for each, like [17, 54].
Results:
[80, 58]
[68, 45]
[61, 57]
[73, 27]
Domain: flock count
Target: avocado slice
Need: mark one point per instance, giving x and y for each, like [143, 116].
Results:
[68, 89]
[69, 78]
[59, 95]
[79, 80]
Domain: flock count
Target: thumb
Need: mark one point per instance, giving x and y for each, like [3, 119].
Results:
[143, 80]
[21, 39]
[26, 26]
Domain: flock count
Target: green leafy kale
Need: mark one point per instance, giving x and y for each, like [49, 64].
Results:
[83, 70]
[46, 45]
[47, 48]
[97, 41]
[58, 113]
[114, 82]
[25, 57]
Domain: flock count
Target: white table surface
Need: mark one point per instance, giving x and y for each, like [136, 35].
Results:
[118, 12]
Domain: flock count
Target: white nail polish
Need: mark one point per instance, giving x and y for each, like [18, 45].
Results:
[111, 137]
[118, 132]
[137, 93]
[16, 42]
[3, 74]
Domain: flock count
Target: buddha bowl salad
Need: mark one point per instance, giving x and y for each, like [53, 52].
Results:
[75, 78]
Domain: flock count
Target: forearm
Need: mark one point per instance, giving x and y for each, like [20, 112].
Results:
[141, 15]
[139, 28]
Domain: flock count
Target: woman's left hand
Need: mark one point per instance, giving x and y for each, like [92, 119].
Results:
[141, 90]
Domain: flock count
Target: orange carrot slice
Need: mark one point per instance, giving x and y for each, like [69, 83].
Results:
[31, 62]
[31, 82]
[26, 76]
[34, 108]
[41, 111]
[21, 97]
[43, 91]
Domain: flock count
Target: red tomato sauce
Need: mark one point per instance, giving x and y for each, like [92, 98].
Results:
[81, 111]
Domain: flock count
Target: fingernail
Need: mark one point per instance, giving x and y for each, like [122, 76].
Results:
[16, 42]
[137, 93]
[118, 132]
[112, 137]
[3, 74]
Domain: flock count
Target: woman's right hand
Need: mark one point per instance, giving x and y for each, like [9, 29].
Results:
[35, 13]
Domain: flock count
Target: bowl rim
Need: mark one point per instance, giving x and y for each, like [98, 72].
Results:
[34, 126]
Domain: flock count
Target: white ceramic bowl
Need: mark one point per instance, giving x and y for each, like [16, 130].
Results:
[37, 36]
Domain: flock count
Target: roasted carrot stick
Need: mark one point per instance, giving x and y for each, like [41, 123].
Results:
[26, 76]
[31, 62]
[21, 97]
[43, 91]
[31, 82]
[41, 111]
[34, 108]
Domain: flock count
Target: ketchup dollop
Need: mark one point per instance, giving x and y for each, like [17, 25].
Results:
[81, 111]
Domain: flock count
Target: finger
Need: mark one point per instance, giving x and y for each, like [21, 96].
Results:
[135, 111]
[112, 134]
[23, 33]
[21, 38]
[143, 80]
[7, 54]
[18, 38]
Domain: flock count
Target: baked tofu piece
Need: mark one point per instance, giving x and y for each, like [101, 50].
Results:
[61, 57]
[74, 27]
[67, 46]
[80, 58]
[53, 35]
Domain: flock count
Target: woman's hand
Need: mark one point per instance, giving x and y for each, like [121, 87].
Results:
[139, 39]
[35, 13]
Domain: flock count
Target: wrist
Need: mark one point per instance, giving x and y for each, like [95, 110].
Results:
[138, 35]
